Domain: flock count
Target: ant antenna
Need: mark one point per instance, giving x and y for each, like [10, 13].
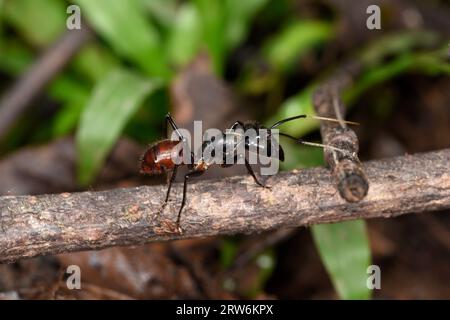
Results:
[314, 117]
[279, 123]
[174, 126]
[314, 144]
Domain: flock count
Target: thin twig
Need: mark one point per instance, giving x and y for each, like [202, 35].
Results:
[17, 98]
[346, 168]
[51, 224]
[337, 108]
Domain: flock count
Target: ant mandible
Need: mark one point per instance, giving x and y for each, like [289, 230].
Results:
[158, 158]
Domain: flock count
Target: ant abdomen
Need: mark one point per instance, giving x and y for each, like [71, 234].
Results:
[158, 159]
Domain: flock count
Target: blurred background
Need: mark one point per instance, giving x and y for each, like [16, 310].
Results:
[78, 108]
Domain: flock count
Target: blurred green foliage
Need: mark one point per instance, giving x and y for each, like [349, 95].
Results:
[295, 40]
[114, 100]
[118, 84]
[25, 16]
[184, 39]
[344, 248]
[264, 263]
[129, 32]
[376, 70]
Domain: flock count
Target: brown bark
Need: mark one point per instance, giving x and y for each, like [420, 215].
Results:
[51, 224]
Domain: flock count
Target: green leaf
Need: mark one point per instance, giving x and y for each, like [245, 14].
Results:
[239, 15]
[345, 252]
[14, 57]
[2, 5]
[163, 12]
[396, 43]
[431, 63]
[124, 25]
[295, 40]
[66, 89]
[213, 19]
[73, 95]
[66, 119]
[94, 62]
[40, 22]
[185, 36]
[300, 156]
[114, 100]
[145, 125]
[296, 105]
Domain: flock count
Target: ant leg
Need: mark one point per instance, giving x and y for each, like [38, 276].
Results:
[252, 173]
[174, 126]
[172, 179]
[187, 176]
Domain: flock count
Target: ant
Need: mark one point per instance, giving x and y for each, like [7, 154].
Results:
[158, 158]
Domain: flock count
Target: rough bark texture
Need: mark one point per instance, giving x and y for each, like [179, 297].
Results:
[51, 224]
[346, 169]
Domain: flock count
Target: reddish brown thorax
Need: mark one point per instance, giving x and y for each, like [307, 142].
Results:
[158, 157]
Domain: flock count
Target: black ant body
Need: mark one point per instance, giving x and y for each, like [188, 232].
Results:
[159, 157]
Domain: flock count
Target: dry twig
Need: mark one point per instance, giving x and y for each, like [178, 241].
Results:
[17, 98]
[346, 168]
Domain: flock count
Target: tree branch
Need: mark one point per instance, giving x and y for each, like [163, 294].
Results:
[51, 224]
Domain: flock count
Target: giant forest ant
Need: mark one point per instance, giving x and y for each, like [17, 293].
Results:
[159, 157]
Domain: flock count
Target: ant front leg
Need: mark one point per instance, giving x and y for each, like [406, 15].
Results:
[252, 173]
[188, 175]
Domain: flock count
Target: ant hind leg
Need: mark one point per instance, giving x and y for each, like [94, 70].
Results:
[252, 173]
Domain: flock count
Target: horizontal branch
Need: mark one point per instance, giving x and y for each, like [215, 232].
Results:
[51, 224]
